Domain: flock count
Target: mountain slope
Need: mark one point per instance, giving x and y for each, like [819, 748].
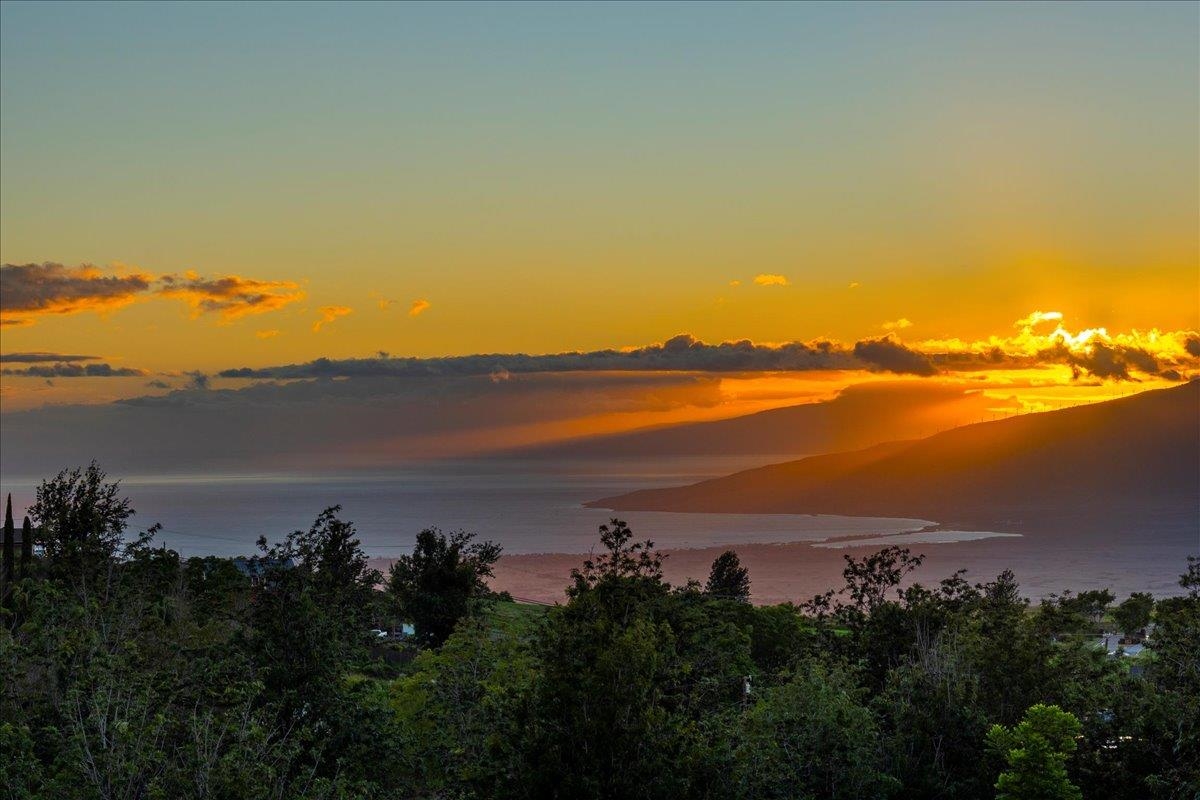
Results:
[859, 416]
[1095, 464]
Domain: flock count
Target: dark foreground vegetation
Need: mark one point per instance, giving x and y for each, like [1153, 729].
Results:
[132, 673]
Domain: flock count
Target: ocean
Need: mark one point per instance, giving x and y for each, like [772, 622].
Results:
[527, 506]
[535, 506]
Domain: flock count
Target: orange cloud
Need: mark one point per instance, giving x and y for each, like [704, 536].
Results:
[767, 279]
[329, 314]
[384, 303]
[1090, 351]
[1037, 317]
[231, 296]
[28, 291]
[266, 334]
[417, 307]
[897, 325]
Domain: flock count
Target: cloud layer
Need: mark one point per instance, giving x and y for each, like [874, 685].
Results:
[683, 353]
[1091, 353]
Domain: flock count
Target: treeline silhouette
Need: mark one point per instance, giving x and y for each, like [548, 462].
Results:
[130, 672]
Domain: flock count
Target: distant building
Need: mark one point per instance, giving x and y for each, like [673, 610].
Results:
[1112, 644]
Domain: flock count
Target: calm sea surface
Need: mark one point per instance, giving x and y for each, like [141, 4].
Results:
[526, 506]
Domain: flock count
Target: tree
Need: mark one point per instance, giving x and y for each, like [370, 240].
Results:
[9, 555]
[1068, 613]
[810, 738]
[1091, 604]
[1133, 615]
[26, 545]
[636, 693]
[1190, 579]
[310, 613]
[624, 559]
[1011, 652]
[330, 557]
[1175, 673]
[461, 710]
[868, 581]
[728, 579]
[81, 520]
[442, 581]
[929, 710]
[1036, 752]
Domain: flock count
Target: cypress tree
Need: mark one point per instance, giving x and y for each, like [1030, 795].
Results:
[26, 545]
[9, 554]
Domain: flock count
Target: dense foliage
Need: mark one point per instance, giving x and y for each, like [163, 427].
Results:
[728, 578]
[133, 673]
[442, 581]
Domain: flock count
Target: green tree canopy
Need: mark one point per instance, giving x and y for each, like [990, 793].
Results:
[80, 518]
[622, 558]
[811, 738]
[1133, 615]
[728, 579]
[1035, 753]
[442, 581]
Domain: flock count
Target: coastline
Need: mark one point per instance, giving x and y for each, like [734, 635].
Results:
[1044, 563]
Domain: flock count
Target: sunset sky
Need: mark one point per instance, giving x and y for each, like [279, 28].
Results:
[195, 189]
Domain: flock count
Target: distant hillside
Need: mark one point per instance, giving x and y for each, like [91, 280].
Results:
[1097, 465]
[859, 416]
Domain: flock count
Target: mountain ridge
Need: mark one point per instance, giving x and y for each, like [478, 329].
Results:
[1097, 464]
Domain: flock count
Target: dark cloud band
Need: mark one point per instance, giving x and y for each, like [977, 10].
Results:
[685, 353]
[41, 358]
[680, 353]
[100, 370]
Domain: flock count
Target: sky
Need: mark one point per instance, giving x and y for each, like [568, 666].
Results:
[193, 190]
